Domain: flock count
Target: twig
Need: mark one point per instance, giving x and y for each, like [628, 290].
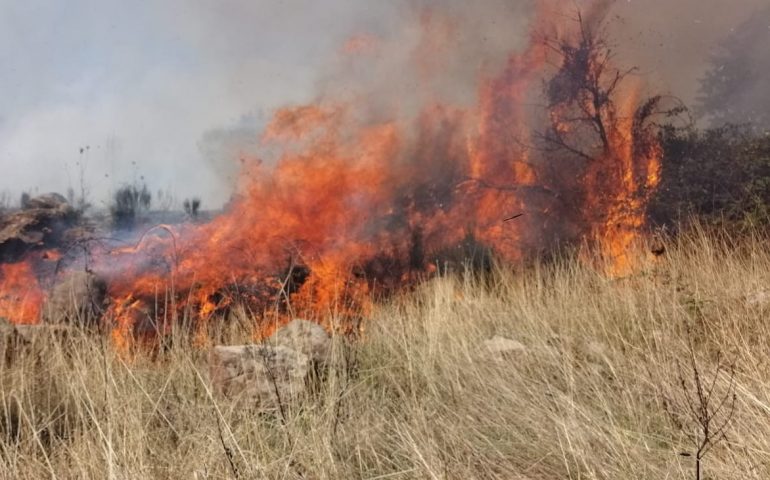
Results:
[228, 451]
[698, 396]
[513, 217]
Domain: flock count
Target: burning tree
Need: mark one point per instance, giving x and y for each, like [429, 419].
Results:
[595, 119]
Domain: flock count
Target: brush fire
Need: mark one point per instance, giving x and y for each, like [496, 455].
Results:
[352, 201]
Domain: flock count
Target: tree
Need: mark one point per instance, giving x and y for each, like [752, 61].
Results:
[606, 146]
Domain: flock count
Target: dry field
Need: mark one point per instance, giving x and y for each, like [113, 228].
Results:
[595, 392]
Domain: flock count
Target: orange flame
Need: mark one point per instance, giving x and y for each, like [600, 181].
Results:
[359, 201]
[21, 298]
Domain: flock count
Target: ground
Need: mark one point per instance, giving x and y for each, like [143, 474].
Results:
[596, 392]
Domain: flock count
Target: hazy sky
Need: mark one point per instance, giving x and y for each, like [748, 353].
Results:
[143, 81]
[152, 86]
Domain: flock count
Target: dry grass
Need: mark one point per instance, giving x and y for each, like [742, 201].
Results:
[596, 394]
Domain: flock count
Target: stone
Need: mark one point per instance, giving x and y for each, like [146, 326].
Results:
[77, 299]
[42, 223]
[32, 334]
[501, 347]
[275, 371]
[758, 299]
[15, 339]
[596, 351]
[269, 376]
[306, 337]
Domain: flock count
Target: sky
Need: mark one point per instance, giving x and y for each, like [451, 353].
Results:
[140, 85]
[105, 92]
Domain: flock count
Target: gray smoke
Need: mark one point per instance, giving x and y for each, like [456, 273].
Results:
[178, 91]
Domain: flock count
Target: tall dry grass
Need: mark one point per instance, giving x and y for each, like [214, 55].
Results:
[595, 395]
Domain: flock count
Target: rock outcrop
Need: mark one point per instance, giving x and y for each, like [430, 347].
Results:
[42, 223]
[275, 371]
[78, 298]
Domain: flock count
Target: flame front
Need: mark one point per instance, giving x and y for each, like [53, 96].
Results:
[21, 297]
[355, 199]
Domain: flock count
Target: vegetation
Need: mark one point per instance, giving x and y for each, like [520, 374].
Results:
[603, 389]
[718, 175]
[128, 202]
[192, 207]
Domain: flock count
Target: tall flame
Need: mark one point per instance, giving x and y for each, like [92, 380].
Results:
[345, 201]
[21, 297]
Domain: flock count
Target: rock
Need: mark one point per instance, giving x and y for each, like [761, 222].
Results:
[15, 339]
[758, 299]
[501, 348]
[287, 362]
[78, 298]
[42, 222]
[33, 333]
[305, 337]
[267, 375]
[49, 201]
[596, 351]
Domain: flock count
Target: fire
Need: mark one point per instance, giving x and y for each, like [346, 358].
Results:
[21, 297]
[349, 200]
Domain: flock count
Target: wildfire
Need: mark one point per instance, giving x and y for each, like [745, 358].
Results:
[346, 202]
[21, 297]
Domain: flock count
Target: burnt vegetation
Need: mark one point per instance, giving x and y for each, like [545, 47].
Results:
[128, 203]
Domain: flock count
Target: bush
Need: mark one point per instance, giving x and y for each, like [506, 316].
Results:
[128, 202]
[717, 175]
[192, 207]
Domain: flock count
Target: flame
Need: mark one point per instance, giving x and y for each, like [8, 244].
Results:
[344, 203]
[21, 297]
[634, 176]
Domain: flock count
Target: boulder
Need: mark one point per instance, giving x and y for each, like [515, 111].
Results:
[268, 376]
[758, 299]
[274, 371]
[15, 339]
[501, 348]
[305, 337]
[52, 202]
[41, 223]
[78, 298]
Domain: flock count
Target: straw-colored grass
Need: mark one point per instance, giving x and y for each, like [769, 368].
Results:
[595, 395]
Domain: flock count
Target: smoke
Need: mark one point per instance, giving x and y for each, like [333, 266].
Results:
[672, 42]
[179, 91]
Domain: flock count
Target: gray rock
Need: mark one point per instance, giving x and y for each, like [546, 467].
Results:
[78, 298]
[502, 348]
[758, 299]
[275, 371]
[42, 223]
[306, 337]
[267, 375]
